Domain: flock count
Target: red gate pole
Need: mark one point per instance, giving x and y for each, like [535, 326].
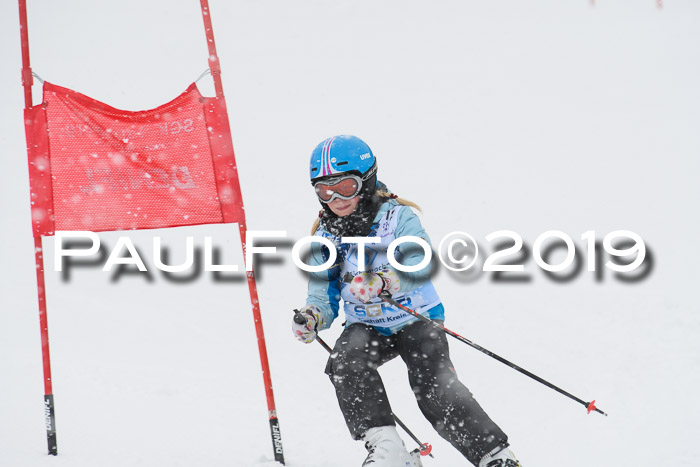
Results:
[252, 287]
[27, 80]
[49, 413]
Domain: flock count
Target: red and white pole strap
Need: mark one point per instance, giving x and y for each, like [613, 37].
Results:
[262, 349]
[590, 406]
[49, 412]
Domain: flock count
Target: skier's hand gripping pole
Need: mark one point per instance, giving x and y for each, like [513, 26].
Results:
[306, 326]
[386, 297]
[425, 449]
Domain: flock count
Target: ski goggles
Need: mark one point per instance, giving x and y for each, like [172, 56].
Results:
[343, 187]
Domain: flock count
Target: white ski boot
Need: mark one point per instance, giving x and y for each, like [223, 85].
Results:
[387, 450]
[500, 457]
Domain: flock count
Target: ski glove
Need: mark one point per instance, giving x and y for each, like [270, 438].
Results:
[306, 333]
[368, 285]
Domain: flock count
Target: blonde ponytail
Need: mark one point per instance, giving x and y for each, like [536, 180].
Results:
[401, 201]
[317, 223]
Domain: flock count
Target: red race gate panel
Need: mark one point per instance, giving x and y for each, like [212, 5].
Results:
[94, 167]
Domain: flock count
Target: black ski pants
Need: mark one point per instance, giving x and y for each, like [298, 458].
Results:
[444, 400]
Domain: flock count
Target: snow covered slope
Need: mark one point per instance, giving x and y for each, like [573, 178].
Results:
[526, 116]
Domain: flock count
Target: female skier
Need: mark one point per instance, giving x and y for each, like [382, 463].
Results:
[356, 204]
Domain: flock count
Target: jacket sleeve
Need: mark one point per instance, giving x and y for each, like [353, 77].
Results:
[409, 253]
[324, 286]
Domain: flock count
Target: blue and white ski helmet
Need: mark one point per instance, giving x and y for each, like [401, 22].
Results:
[341, 154]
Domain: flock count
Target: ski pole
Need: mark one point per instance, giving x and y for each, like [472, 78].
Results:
[424, 448]
[386, 297]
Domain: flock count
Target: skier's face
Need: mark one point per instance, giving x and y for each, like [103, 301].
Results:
[343, 207]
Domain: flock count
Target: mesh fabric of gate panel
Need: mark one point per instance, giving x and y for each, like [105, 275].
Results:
[94, 167]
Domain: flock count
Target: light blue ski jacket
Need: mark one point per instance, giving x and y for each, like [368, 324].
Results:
[327, 288]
